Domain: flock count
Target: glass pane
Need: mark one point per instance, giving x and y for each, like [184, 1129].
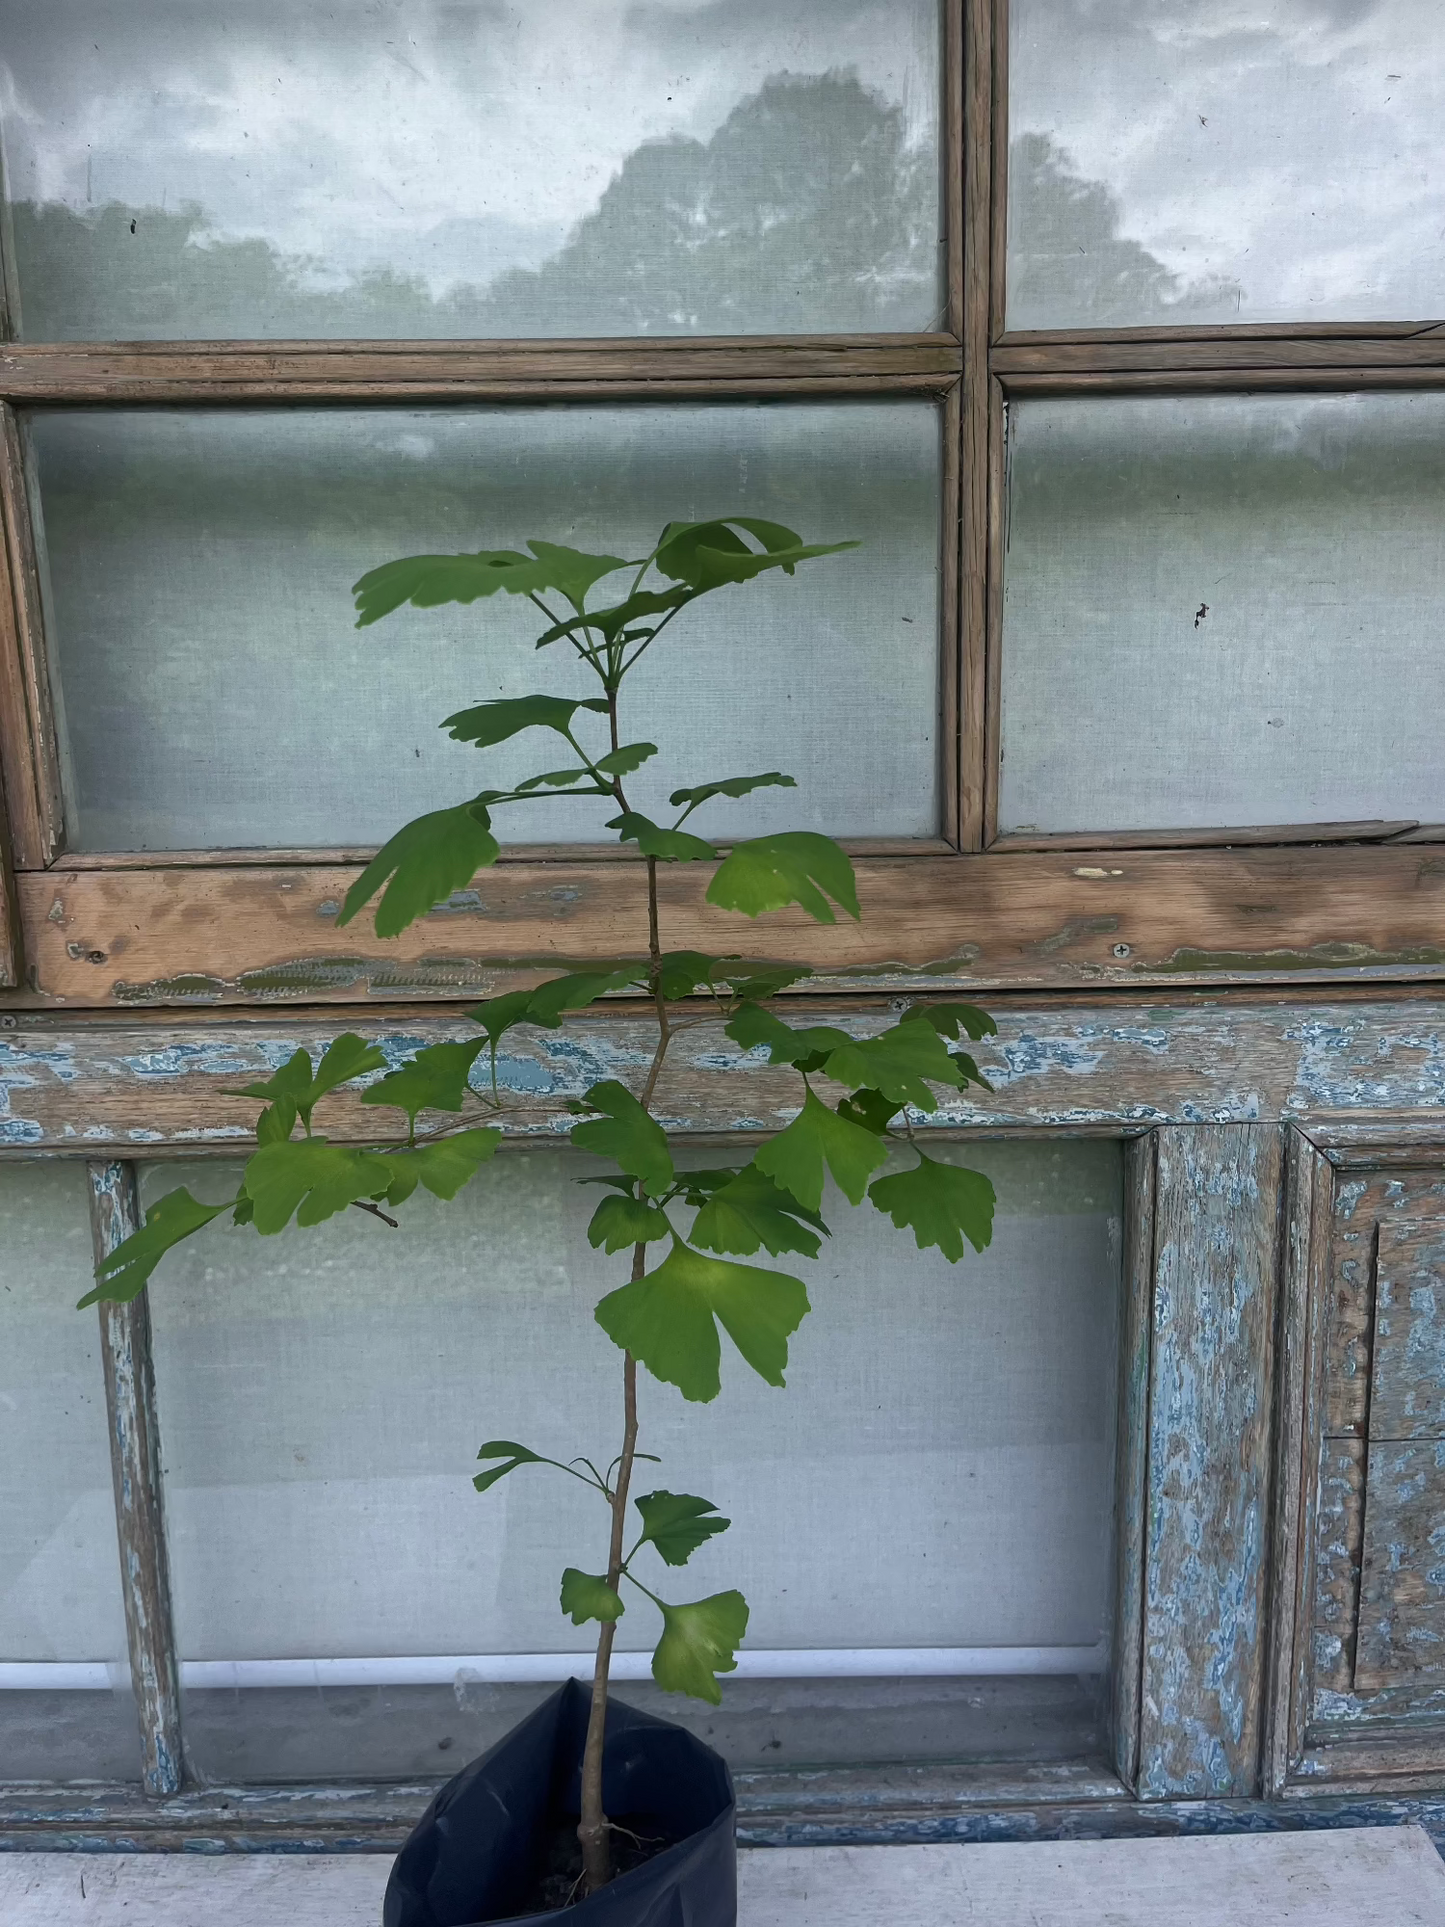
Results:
[1224, 163]
[217, 694]
[470, 168]
[1224, 610]
[323, 1397]
[60, 1601]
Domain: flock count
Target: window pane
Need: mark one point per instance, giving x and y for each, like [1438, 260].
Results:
[1224, 163]
[468, 168]
[216, 692]
[1222, 611]
[60, 1600]
[323, 1396]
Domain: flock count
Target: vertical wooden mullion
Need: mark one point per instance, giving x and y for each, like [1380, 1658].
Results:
[951, 678]
[998, 182]
[954, 166]
[1132, 1472]
[974, 419]
[1211, 1382]
[991, 670]
[135, 1464]
[1309, 1204]
[29, 754]
[11, 957]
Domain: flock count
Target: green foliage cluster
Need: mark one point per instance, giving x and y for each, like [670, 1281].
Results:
[688, 1230]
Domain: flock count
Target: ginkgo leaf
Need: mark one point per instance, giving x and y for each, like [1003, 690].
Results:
[620, 1222]
[499, 1014]
[871, 1109]
[698, 1642]
[296, 1089]
[312, 1178]
[730, 786]
[669, 1319]
[941, 1203]
[513, 1453]
[627, 1135]
[949, 1019]
[758, 985]
[682, 972]
[622, 762]
[676, 1524]
[611, 622]
[436, 1079]
[123, 1272]
[429, 580]
[901, 1062]
[752, 1211]
[669, 846]
[809, 1047]
[496, 722]
[706, 555]
[560, 779]
[426, 861]
[796, 866]
[579, 989]
[817, 1137]
[441, 1167]
[587, 1595]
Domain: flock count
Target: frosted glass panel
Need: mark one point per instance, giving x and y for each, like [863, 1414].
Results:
[59, 1570]
[1224, 162]
[323, 1396]
[216, 692]
[1222, 611]
[466, 168]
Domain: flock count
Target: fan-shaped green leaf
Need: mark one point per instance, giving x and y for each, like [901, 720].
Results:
[668, 1320]
[752, 1211]
[808, 1047]
[295, 1089]
[797, 866]
[429, 580]
[622, 762]
[436, 1079]
[623, 1221]
[817, 1137]
[611, 622]
[587, 1595]
[426, 860]
[313, 1179]
[949, 1019]
[902, 1062]
[626, 1134]
[513, 1453]
[499, 1014]
[669, 846]
[496, 722]
[730, 786]
[941, 1203]
[124, 1271]
[706, 555]
[443, 1166]
[579, 989]
[698, 1642]
[676, 1523]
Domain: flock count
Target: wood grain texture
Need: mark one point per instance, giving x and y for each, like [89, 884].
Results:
[975, 466]
[1407, 1377]
[956, 54]
[252, 934]
[998, 29]
[1220, 352]
[953, 641]
[135, 1463]
[1339, 1528]
[990, 671]
[1376, 830]
[282, 371]
[1131, 1505]
[29, 755]
[152, 1084]
[1309, 1196]
[1289, 378]
[1402, 1573]
[1368, 1201]
[11, 954]
[1210, 1448]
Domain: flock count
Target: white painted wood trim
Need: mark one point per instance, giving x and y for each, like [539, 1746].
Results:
[1384, 1877]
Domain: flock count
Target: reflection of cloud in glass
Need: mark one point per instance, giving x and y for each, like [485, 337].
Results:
[405, 157]
[1277, 158]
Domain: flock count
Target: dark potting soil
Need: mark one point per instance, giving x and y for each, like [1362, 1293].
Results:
[635, 1841]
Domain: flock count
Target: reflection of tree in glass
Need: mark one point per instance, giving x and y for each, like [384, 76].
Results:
[1068, 258]
[806, 211]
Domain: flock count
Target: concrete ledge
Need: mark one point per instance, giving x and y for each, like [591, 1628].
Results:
[1386, 1875]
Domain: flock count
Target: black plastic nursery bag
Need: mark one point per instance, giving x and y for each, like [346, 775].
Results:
[475, 1854]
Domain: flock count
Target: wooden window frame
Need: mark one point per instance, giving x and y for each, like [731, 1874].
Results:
[1300, 902]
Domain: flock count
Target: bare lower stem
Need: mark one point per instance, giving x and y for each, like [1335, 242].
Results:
[592, 1827]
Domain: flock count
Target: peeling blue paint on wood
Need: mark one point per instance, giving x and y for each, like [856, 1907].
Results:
[1216, 1257]
[68, 1086]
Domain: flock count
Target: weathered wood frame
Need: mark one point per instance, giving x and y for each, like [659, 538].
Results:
[1287, 1029]
[1009, 912]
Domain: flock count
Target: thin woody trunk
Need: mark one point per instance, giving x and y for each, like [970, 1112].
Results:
[592, 1827]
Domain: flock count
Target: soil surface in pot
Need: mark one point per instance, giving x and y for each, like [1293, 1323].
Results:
[635, 1840]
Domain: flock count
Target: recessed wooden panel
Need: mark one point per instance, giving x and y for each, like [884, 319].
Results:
[1368, 1203]
[1402, 1575]
[1407, 1392]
